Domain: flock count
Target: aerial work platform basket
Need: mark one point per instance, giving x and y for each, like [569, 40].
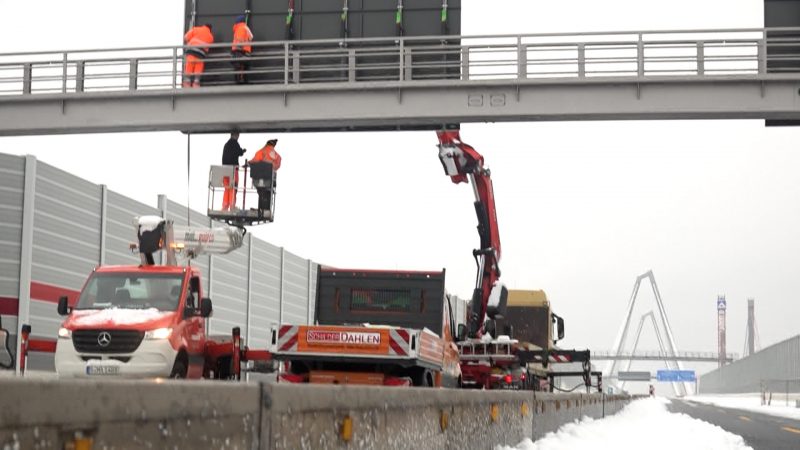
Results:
[241, 196]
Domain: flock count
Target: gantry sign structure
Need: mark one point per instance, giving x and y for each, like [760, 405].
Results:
[409, 82]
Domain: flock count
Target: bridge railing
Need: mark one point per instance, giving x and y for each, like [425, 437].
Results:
[655, 355]
[638, 55]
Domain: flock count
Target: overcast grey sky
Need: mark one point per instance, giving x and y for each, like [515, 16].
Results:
[710, 206]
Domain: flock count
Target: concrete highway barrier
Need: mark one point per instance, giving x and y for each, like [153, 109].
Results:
[78, 414]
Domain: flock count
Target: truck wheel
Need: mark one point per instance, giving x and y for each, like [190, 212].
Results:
[224, 368]
[423, 378]
[180, 368]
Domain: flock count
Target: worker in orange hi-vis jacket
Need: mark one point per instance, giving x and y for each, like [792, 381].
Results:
[266, 154]
[198, 39]
[241, 49]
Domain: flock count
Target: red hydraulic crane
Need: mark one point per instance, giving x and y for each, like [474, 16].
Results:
[485, 355]
[463, 164]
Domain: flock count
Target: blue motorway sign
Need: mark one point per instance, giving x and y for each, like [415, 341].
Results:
[676, 375]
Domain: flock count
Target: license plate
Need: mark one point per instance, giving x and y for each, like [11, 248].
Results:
[102, 370]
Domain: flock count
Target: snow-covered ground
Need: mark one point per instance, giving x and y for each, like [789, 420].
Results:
[644, 423]
[752, 402]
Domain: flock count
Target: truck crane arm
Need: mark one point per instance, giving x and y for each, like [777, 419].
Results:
[463, 164]
[155, 233]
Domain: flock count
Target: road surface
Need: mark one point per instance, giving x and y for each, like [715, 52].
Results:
[760, 431]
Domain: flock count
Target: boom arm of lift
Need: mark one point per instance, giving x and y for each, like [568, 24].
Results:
[155, 233]
[463, 164]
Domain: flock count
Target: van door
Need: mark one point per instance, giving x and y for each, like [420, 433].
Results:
[194, 328]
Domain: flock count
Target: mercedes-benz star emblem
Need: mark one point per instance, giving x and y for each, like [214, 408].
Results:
[104, 338]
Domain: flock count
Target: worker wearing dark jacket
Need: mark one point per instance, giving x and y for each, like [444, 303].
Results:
[230, 157]
[197, 39]
[232, 151]
[241, 49]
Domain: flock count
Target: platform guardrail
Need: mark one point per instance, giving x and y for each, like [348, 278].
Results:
[744, 53]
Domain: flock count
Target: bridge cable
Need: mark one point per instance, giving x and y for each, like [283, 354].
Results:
[188, 177]
[188, 185]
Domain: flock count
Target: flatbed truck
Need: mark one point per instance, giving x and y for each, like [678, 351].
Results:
[389, 328]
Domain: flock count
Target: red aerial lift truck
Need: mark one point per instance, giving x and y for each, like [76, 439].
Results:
[149, 320]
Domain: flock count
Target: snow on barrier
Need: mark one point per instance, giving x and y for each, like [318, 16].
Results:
[40, 413]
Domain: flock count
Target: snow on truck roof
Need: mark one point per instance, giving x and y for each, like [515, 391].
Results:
[151, 269]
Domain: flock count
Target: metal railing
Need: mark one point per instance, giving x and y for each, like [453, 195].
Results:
[781, 390]
[659, 355]
[637, 55]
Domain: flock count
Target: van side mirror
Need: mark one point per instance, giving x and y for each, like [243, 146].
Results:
[461, 335]
[205, 307]
[63, 306]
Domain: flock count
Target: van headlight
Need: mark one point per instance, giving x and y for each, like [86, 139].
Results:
[64, 333]
[159, 333]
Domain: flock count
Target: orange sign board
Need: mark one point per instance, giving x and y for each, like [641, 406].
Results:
[320, 339]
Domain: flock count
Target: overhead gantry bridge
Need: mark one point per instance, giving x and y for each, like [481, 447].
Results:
[409, 83]
[600, 355]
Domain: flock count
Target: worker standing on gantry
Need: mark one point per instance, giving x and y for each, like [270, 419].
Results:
[230, 157]
[241, 49]
[263, 167]
[197, 39]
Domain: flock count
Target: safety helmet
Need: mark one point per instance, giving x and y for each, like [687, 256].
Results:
[272, 142]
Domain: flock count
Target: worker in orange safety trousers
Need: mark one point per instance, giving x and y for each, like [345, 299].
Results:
[241, 49]
[230, 157]
[266, 154]
[197, 39]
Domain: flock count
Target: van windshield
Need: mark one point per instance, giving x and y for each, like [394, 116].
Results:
[132, 291]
